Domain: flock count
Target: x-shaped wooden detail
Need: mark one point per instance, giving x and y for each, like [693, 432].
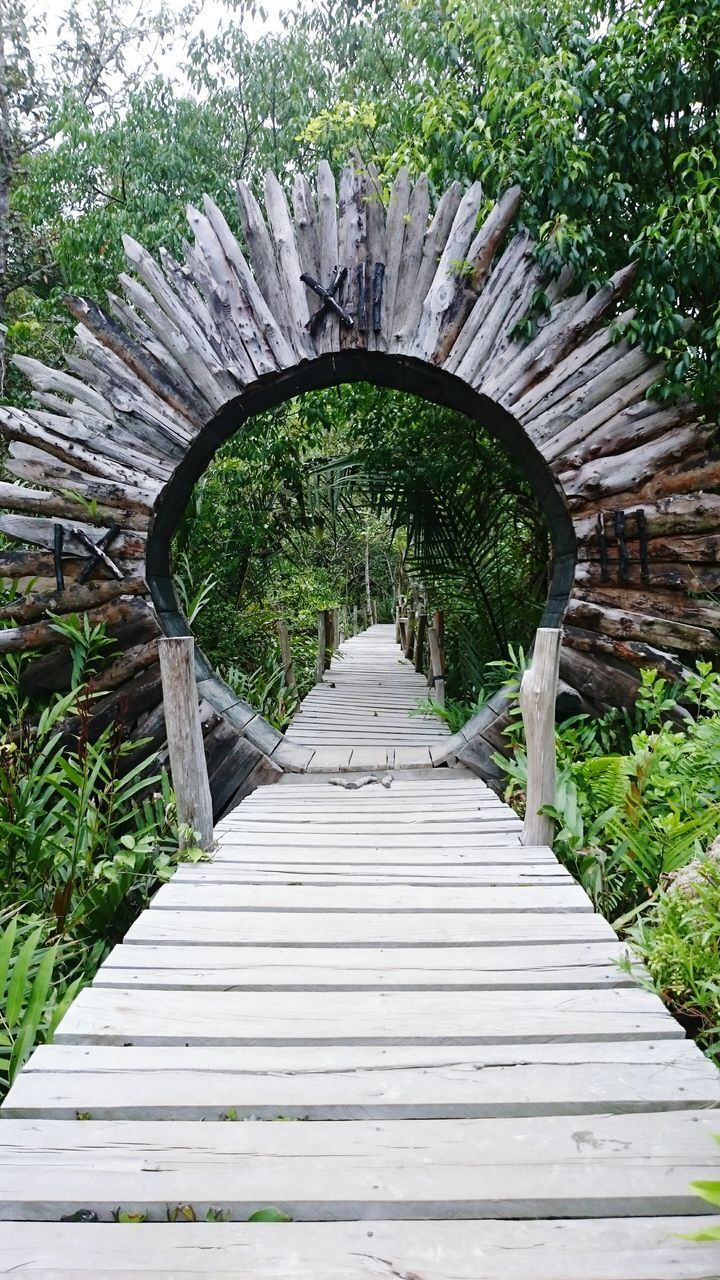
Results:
[329, 299]
[98, 549]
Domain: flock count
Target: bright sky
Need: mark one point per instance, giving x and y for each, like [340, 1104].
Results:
[211, 14]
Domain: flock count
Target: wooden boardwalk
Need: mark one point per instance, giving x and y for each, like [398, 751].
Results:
[358, 717]
[377, 1011]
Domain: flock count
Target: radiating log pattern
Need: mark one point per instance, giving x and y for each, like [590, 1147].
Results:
[438, 289]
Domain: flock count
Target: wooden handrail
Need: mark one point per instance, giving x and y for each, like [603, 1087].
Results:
[185, 740]
[538, 691]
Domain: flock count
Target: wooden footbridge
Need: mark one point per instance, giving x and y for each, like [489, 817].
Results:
[377, 1012]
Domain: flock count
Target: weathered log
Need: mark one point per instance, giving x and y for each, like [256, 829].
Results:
[450, 269]
[697, 472]
[538, 691]
[575, 369]
[35, 429]
[678, 515]
[38, 635]
[378, 334]
[199, 320]
[306, 231]
[628, 653]
[265, 268]
[289, 266]
[397, 214]
[415, 229]
[656, 602]
[700, 549]
[327, 339]
[410, 634]
[668, 575]
[352, 246]
[183, 397]
[630, 625]
[499, 308]
[245, 323]
[14, 497]
[479, 257]
[627, 430]
[602, 684]
[606, 476]
[433, 245]
[126, 392]
[181, 357]
[137, 658]
[43, 378]
[562, 336]
[73, 599]
[185, 740]
[40, 532]
[610, 393]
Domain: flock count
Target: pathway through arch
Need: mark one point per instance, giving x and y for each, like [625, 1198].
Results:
[360, 715]
[378, 1012]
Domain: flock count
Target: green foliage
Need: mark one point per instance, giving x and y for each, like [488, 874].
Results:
[269, 1215]
[637, 808]
[30, 1004]
[678, 937]
[86, 834]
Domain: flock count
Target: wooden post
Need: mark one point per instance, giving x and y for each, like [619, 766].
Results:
[436, 662]
[538, 691]
[410, 634]
[420, 639]
[355, 620]
[329, 636]
[184, 737]
[286, 654]
[322, 646]
[398, 634]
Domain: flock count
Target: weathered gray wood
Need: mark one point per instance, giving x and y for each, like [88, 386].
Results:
[201, 895]
[433, 244]
[345, 1170]
[538, 690]
[440, 295]
[289, 265]
[286, 655]
[397, 214]
[184, 735]
[366, 1082]
[327, 339]
[306, 928]
[306, 233]
[328, 1017]
[652, 1248]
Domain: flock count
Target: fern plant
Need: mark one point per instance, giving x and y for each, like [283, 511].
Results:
[32, 1002]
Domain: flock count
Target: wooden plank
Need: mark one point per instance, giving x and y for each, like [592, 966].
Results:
[409, 1169]
[243, 871]
[130, 1016]
[620, 1249]
[562, 965]
[269, 928]
[440, 861]
[364, 1083]
[205, 896]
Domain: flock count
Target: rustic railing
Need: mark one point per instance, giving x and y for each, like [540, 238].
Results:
[538, 691]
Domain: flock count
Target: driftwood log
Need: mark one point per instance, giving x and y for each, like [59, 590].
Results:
[185, 352]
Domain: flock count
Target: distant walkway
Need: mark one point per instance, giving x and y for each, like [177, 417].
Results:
[359, 717]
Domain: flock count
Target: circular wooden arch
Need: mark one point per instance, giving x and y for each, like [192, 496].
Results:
[341, 290]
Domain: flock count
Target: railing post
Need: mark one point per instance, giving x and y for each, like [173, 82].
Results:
[420, 639]
[538, 691]
[322, 646]
[436, 662]
[410, 634]
[286, 655]
[184, 737]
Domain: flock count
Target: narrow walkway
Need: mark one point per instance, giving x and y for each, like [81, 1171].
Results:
[378, 1012]
[359, 716]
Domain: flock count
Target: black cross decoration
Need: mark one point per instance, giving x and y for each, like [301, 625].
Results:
[329, 300]
[99, 553]
[330, 297]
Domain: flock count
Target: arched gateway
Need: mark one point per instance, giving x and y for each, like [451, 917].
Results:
[343, 290]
